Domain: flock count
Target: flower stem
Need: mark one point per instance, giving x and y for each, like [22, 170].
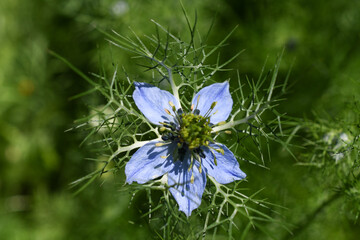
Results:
[304, 223]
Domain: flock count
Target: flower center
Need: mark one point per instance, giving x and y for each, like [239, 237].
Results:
[189, 131]
[195, 130]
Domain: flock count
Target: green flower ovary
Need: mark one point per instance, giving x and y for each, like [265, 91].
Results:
[195, 130]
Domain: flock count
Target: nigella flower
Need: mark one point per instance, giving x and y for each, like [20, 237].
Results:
[186, 151]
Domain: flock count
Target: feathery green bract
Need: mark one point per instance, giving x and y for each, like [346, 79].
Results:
[183, 67]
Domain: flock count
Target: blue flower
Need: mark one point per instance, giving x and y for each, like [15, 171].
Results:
[186, 151]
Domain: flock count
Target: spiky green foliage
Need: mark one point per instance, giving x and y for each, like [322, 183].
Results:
[332, 153]
[181, 66]
[38, 102]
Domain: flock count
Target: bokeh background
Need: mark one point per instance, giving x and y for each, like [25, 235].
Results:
[39, 160]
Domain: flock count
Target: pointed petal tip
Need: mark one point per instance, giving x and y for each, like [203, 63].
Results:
[128, 180]
[225, 83]
[147, 164]
[227, 169]
[242, 175]
[152, 102]
[138, 181]
[187, 212]
[187, 187]
[140, 84]
[219, 93]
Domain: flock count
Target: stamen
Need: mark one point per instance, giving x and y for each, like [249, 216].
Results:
[211, 149]
[173, 126]
[210, 109]
[228, 132]
[191, 162]
[213, 105]
[192, 177]
[172, 106]
[199, 159]
[192, 107]
[159, 144]
[215, 162]
[168, 112]
[165, 157]
[169, 125]
[162, 129]
[180, 111]
[220, 150]
[166, 124]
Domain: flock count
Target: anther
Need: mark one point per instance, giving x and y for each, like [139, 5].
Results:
[167, 111]
[213, 105]
[211, 149]
[220, 150]
[199, 159]
[192, 107]
[165, 157]
[172, 106]
[169, 125]
[160, 144]
[166, 124]
[191, 163]
[228, 132]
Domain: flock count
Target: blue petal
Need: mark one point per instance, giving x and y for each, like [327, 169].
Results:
[187, 195]
[153, 101]
[147, 163]
[217, 92]
[227, 169]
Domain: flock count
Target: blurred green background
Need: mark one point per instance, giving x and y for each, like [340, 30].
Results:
[38, 159]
